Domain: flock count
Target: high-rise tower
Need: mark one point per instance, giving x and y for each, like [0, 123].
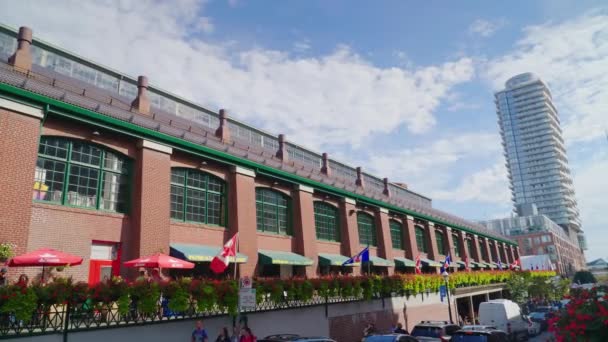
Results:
[536, 154]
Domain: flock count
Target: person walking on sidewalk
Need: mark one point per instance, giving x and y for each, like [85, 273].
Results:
[199, 334]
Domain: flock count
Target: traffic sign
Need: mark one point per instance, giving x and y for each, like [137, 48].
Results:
[246, 283]
[247, 299]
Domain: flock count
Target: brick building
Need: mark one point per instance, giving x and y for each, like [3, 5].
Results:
[104, 166]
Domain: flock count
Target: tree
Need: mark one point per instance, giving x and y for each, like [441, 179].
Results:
[584, 277]
[518, 286]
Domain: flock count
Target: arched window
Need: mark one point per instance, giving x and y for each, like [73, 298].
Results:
[273, 210]
[456, 244]
[421, 239]
[326, 221]
[470, 248]
[197, 197]
[484, 252]
[367, 229]
[440, 242]
[396, 234]
[493, 251]
[81, 174]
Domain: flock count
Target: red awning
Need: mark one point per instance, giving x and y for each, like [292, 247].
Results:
[160, 261]
[45, 257]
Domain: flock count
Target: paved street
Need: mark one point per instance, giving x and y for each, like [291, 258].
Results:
[544, 337]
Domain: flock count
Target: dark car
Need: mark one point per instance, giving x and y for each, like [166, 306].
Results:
[390, 338]
[479, 333]
[437, 331]
[294, 338]
[541, 318]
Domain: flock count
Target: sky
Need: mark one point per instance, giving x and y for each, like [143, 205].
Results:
[403, 89]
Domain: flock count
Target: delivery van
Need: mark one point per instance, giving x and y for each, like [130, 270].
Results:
[505, 315]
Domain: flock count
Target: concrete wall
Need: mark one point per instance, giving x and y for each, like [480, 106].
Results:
[344, 322]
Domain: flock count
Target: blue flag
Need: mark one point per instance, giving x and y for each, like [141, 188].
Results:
[362, 256]
[499, 265]
[446, 264]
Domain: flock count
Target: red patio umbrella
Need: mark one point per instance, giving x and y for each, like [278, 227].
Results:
[45, 257]
[159, 261]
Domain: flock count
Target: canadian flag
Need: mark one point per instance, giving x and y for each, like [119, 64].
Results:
[514, 264]
[221, 261]
[418, 270]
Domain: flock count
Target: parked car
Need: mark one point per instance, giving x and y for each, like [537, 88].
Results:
[479, 333]
[294, 338]
[390, 338]
[439, 331]
[541, 318]
[534, 328]
[505, 315]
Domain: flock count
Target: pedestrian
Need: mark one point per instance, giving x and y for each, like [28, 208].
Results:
[223, 336]
[23, 280]
[235, 334]
[199, 334]
[247, 335]
[399, 329]
[369, 329]
[3, 277]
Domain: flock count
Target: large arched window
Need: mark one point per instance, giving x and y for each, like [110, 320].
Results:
[197, 197]
[326, 221]
[396, 234]
[493, 251]
[440, 242]
[421, 239]
[470, 248]
[367, 229]
[273, 211]
[456, 244]
[81, 174]
[484, 251]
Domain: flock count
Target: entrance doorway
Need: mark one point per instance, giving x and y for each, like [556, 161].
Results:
[105, 261]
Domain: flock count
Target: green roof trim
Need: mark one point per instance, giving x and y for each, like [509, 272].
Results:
[377, 261]
[84, 115]
[268, 257]
[201, 253]
[404, 262]
[326, 259]
[430, 263]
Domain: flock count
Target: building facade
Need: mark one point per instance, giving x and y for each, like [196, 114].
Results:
[536, 154]
[539, 235]
[104, 166]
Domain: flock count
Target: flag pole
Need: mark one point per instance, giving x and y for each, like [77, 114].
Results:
[369, 264]
[236, 251]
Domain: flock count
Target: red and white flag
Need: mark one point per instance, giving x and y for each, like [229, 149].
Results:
[221, 261]
[418, 270]
[514, 264]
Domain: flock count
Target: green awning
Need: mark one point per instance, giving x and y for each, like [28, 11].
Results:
[200, 253]
[495, 265]
[334, 260]
[268, 257]
[461, 264]
[404, 262]
[474, 264]
[430, 263]
[486, 265]
[377, 261]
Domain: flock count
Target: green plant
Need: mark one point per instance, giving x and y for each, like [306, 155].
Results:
[20, 301]
[584, 277]
[179, 301]
[7, 250]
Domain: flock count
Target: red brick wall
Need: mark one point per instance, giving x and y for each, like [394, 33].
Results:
[18, 153]
[242, 201]
[198, 234]
[274, 242]
[328, 247]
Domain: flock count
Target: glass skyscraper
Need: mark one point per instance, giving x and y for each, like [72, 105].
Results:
[536, 154]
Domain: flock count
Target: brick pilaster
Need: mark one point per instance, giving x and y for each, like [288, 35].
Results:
[304, 226]
[432, 253]
[476, 252]
[409, 230]
[19, 137]
[511, 255]
[497, 248]
[385, 245]
[463, 245]
[447, 231]
[349, 230]
[242, 218]
[486, 245]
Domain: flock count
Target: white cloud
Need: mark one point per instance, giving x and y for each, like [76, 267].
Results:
[486, 28]
[205, 24]
[488, 185]
[572, 57]
[337, 98]
[301, 46]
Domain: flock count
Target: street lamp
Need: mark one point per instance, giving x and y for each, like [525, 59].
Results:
[446, 277]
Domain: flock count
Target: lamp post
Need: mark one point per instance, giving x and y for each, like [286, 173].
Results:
[446, 278]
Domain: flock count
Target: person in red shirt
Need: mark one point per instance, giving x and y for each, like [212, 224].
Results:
[247, 335]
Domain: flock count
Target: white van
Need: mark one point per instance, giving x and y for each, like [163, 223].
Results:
[505, 315]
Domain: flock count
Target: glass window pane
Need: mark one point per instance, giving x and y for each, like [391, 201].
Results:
[196, 180]
[82, 186]
[272, 211]
[456, 244]
[114, 162]
[326, 221]
[214, 208]
[87, 154]
[48, 180]
[421, 239]
[440, 243]
[114, 192]
[367, 229]
[53, 147]
[177, 202]
[396, 234]
[178, 176]
[195, 205]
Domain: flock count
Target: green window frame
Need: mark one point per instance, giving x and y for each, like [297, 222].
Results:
[396, 234]
[81, 174]
[197, 197]
[469, 248]
[484, 252]
[273, 211]
[421, 239]
[456, 245]
[367, 229]
[440, 242]
[327, 222]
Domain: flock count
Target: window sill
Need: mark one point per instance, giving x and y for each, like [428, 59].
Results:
[73, 209]
[329, 242]
[275, 235]
[196, 225]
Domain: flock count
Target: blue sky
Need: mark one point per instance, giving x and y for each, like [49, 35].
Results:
[403, 89]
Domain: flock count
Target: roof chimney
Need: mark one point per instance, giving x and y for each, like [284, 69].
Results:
[141, 102]
[386, 190]
[22, 58]
[223, 132]
[325, 169]
[359, 181]
[282, 151]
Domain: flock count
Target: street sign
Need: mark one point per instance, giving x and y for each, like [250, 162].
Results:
[247, 299]
[245, 283]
